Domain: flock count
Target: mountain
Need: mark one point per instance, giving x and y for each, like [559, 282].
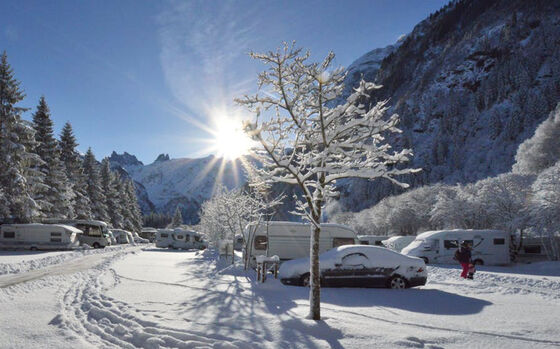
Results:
[470, 83]
[167, 183]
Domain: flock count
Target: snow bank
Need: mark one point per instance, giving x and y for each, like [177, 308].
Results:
[21, 261]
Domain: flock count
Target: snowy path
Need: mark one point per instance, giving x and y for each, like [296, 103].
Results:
[157, 298]
[68, 267]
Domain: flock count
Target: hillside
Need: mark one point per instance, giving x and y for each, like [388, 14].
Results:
[471, 82]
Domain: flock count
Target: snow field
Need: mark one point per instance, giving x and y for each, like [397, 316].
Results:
[158, 298]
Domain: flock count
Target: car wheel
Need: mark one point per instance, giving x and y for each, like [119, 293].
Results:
[397, 282]
[96, 245]
[306, 280]
[426, 260]
[478, 262]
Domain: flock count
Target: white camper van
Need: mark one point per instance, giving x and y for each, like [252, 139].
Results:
[180, 238]
[375, 240]
[95, 233]
[290, 240]
[149, 233]
[39, 236]
[397, 243]
[490, 247]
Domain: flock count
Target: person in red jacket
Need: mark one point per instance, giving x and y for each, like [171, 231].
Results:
[463, 256]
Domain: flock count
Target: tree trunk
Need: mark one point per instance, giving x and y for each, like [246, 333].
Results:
[315, 276]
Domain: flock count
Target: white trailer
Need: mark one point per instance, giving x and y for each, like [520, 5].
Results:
[122, 236]
[290, 240]
[95, 233]
[180, 238]
[490, 247]
[374, 240]
[39, 236]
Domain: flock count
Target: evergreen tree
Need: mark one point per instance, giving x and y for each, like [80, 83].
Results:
[74, 171]
[177, 218]
[123, 203]
[108, 184]
[15, 152]
[93, 188]
[57, 190]
[133, 206]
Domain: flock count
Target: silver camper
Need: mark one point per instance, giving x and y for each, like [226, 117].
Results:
[290, 240]
[95, 233]
[39, 236]
[489, 247]
[180, 238]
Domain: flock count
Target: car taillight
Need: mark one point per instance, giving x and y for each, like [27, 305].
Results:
[420, 270]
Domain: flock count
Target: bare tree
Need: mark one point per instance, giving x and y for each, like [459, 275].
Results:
[311, 138]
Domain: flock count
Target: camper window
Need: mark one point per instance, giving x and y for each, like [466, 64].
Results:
[180, 237]
[450, 244]
[499, 241]
[9, 235]
[260, 242]
[164, 235]
[55, 234]
[197, 238]
[342, 241]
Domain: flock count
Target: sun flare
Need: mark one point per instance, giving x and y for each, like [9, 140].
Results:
[230, 142]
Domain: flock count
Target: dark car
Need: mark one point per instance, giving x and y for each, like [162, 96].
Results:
[358, 266]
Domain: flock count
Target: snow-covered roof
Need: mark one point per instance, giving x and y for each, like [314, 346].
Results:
[431, 234]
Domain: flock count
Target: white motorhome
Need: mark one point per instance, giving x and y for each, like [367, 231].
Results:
[290, 240]
[122, 236]
[39, 236]
[489, 247]
[398, 242]
[95, 233]
[149, 233]
[180, 238]
[375, 240]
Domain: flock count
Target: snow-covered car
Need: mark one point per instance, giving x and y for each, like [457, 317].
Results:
[358, 266]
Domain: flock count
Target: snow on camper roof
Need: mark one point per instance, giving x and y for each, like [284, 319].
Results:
[430, 234]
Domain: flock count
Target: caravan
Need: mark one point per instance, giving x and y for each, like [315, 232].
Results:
[180, 238]
[490, 247]
[290, 240]
[95, 233]
[374, 240]
[39, 236]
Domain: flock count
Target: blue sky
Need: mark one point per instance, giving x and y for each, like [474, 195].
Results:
[147, 77]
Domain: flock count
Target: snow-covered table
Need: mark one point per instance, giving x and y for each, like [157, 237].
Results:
[263, 263]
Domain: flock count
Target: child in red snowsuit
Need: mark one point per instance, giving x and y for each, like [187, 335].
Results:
[463, 256]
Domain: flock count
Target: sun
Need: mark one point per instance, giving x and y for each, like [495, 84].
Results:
[230, 142]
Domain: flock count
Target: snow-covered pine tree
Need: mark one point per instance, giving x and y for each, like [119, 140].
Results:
[93, 188]
[15, 153]
[177, 218]
[310, 140]
[74, 172]
[108, 184]
[123, 204]
[57, 191]
[134, 207]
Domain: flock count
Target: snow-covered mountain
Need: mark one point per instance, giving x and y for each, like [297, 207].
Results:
[167, 183]
[471, 82]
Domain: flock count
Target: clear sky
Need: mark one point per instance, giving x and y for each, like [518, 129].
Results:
[147, 77]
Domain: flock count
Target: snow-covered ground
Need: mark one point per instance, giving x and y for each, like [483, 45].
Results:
[138, 297]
